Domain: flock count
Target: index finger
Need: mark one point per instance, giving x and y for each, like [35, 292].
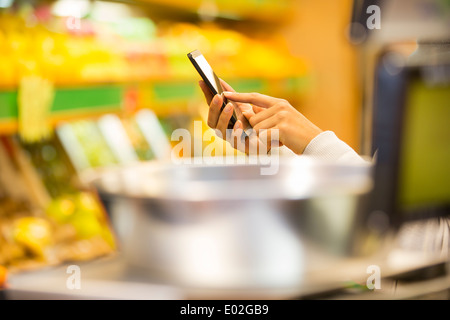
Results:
[258, 99]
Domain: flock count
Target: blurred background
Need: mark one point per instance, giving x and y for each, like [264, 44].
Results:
[86, 84]
[83, 79]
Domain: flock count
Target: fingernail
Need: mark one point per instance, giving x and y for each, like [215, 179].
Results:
[215, 100]
[228, 107]
[227, 93]
[238, 125]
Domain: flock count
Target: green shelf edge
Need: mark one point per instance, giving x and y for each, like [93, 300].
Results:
[110, 97]
[182, 90]
[8, 105]
[69, 100]
[175, 91]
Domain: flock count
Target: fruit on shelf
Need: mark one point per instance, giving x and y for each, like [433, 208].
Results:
[46, 48]
[61, 209]
[34, 233]
[83, 212]
[130, 49]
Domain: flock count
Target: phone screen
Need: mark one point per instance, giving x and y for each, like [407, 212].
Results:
[209, 73]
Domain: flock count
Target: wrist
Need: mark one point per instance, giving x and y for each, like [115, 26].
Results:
[304, 139]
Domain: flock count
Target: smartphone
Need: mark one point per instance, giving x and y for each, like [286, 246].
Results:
[212, 81]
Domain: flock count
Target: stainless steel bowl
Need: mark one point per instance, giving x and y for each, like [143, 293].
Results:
[230, 226]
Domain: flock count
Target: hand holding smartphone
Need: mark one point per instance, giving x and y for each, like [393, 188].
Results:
[210, 78]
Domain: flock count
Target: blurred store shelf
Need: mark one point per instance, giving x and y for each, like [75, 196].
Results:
[67, 104]
[249, 10]
[165, 97]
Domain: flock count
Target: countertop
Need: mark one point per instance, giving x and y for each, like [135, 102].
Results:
[404, 275]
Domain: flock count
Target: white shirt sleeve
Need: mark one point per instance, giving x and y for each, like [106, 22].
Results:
[327, 146]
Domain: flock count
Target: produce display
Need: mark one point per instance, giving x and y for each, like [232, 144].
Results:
[55, 66]
[88, 50]
[92, 142]
[45, 219]
[46, 215]
[139, 143]
[48, 48]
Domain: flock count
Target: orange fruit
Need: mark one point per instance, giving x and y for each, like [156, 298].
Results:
[3, 276]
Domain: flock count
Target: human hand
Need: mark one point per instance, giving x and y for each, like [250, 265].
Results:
[219, 120]
[293, 129]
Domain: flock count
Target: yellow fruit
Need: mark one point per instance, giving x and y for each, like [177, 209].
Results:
[61, 209]
[33, 233]
[87, 202]
[86, 224]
